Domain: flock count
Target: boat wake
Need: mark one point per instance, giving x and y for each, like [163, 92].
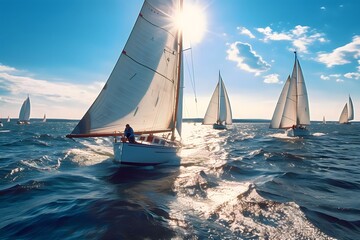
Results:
[318, 134]
[236, 210]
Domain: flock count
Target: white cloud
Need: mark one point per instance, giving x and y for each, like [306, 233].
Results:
[352, 75]
[272, 78]
[60, 95]
[301, 37]
[341, 55]
[335, 77]
[270, 35]
[299, 30]
[245, 31]
[323, 77]
[246, 58]
[4, 68]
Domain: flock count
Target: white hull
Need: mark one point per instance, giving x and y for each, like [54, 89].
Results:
[297, 132]
[146, 154]
[219, 126]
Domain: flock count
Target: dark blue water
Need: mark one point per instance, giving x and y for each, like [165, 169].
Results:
[248, 182]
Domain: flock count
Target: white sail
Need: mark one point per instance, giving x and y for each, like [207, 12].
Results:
[24, 115]
[344, 115]
[180, 103]
[44, 118]
[211, 114]
[8, 119]
[219, 109]
[292, 108]
[303, 112]
[228, 119]
[279, 109]
[351, 110]
[142, 89]
[288, 118]
[324, 121]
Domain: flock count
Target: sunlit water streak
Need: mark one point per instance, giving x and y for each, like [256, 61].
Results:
[247, 182]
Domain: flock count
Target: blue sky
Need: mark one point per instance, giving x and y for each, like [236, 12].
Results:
[61, 52]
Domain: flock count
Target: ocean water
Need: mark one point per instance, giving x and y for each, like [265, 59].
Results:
[248, 182]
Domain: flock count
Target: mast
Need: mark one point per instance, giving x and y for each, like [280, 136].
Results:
[178, 77]
[219, 97]
[296, 85]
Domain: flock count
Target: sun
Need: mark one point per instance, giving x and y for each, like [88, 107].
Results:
[192, 21]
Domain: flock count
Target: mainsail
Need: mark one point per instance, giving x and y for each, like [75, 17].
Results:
[347, 113]
[219, 109]
[292, 108]
[344, 115]
[351, 109]
[144, 87]
[24, 114]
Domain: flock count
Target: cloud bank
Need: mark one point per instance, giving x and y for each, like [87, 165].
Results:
[341, 55]
[65, 97]
[301, 37]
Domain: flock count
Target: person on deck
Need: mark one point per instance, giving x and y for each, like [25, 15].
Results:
[129, 133]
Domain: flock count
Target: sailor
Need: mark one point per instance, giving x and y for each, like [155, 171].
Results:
[129, 133]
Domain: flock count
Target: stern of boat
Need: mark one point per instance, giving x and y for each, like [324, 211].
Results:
[297, 132]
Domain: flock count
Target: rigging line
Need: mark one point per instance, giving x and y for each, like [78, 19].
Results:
[194, 86]
[145, 66]
[192, 76]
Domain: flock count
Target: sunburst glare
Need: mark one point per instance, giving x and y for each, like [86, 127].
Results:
[192, 21]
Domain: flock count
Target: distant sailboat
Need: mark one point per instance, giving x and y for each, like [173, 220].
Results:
[8, 119]
[347, 113]
[324, 121]
[44, 119]
[1, 124]
[143, 90]
[292, 110]
[24, 115]
[219, 110]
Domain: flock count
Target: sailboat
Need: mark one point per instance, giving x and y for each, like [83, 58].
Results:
[347, 113]
[144, 90]
[219, 112]
[44, 118]
[8, 119]
[24, 115]
[292, 110]
[324, 121]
